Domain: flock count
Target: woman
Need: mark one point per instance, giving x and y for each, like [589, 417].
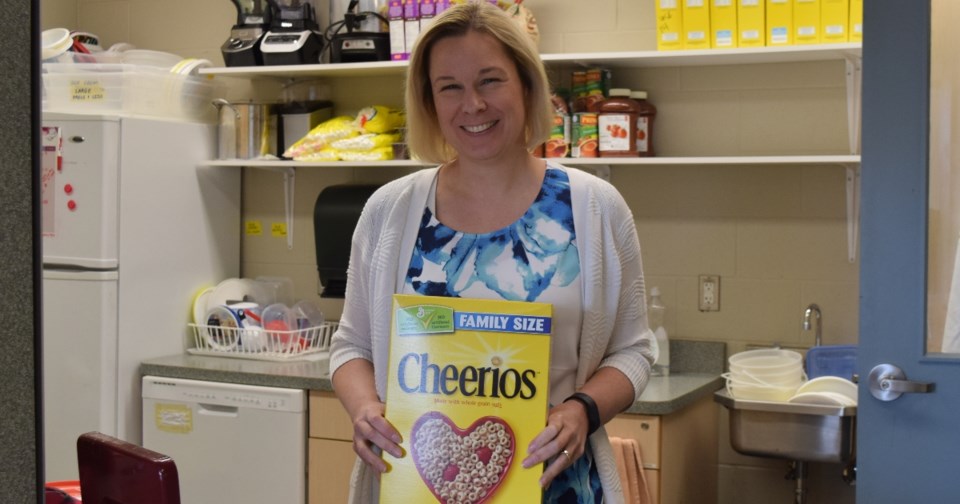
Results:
[493, 221]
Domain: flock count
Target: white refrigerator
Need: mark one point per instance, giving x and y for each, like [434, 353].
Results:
[132, 230]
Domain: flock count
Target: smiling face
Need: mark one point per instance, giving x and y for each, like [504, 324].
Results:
[479, 97]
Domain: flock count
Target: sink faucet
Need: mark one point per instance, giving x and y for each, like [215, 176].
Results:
[813, 310]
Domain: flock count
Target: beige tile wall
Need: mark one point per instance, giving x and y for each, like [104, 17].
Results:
[775, 234]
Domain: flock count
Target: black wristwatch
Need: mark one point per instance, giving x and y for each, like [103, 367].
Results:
[593, 414]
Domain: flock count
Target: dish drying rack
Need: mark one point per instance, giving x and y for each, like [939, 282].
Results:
[262, 344]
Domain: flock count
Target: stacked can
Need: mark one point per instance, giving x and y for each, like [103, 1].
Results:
[584, 135]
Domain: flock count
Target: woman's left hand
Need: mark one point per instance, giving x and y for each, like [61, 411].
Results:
[563, 440]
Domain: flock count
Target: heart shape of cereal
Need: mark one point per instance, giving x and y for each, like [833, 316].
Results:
[461, 465]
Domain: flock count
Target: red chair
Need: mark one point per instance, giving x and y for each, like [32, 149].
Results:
[113, 471]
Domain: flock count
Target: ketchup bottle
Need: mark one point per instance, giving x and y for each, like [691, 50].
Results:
[645, 116]
[617, 123]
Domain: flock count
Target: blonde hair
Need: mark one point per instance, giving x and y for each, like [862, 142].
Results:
[424, 136]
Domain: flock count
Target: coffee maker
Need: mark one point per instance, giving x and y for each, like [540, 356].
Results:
[243, 46]
[294, 37]
[356, 46]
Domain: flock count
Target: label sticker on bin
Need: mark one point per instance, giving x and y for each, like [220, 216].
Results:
[173, 418]
[86, 90]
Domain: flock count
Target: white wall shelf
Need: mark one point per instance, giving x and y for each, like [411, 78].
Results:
[842, 160]
[850, 53]
[623, 59]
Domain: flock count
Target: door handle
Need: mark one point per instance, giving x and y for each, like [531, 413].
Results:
[888, 382]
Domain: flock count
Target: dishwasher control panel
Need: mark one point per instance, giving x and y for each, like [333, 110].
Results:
[223, 394]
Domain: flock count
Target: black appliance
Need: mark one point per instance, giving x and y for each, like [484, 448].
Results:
[243, 46]
[357, 46]
[335, 216]
[294, 37]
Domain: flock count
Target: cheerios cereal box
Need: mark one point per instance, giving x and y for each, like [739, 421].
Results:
[468, 390]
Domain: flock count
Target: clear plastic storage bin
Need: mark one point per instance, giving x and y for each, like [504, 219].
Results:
[128, 90]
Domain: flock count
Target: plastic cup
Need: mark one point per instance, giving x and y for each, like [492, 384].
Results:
[280, 324]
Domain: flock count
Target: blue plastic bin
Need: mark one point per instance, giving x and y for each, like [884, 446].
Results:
[832, 360]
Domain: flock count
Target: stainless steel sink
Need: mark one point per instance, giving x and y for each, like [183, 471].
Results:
[802, 432]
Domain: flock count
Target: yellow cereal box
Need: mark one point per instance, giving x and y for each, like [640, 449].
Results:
[723, 24]
[468, 390]
[669, 25]
[834, 18]
[806, 21]
[751, 23]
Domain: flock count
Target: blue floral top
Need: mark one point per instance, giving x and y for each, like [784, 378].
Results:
[532, 259]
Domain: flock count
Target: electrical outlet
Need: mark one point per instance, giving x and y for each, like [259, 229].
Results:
[709, 293]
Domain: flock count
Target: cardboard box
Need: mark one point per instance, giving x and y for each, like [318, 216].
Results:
[696, 24]
[723, 24]
[834, 21]
[669, 25]
[779, 22]
[751, 23]
[806, 22]
[856, 21]
[428, 9]
[411, 24]
[467, 387]
[398, 44]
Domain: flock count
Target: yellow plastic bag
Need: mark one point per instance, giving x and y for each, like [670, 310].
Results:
[321, 136]
[380, 119]
[366, 142]
[378, 154]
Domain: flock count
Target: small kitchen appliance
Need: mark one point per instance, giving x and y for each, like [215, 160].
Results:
[357, 46]
[243, 46]
[294, 37]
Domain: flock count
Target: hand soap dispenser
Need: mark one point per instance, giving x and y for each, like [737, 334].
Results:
[655, 316]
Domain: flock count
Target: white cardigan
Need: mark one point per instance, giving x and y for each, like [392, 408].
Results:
[615, 332]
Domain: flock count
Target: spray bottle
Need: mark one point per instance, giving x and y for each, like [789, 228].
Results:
[656, 312]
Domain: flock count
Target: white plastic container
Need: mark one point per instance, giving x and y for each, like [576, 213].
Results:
[656, 312]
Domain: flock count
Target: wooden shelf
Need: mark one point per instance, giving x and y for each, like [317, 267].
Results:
[624, 59]
[625, 162]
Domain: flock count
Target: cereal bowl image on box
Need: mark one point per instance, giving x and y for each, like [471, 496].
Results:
[467, 386]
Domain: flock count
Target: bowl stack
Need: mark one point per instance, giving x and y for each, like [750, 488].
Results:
[767, 374]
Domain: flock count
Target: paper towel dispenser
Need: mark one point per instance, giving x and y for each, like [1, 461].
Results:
[335, 216]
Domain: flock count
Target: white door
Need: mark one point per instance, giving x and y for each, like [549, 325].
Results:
[909, 447]
[79, 363]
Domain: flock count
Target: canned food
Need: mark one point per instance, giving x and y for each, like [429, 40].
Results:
[585, 135]
[558, 145]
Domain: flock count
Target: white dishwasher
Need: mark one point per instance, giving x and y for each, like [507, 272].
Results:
[233, 443]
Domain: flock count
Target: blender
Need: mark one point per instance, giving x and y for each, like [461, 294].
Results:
[243, 46]
[367, 43]
[294, 37]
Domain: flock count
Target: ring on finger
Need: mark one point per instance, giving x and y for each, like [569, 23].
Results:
[567, 454]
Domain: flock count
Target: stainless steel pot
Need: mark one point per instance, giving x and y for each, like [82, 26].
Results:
[245, 130]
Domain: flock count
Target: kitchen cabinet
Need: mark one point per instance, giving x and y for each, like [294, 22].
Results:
[678, 451]
[330, 454]
[850, 53]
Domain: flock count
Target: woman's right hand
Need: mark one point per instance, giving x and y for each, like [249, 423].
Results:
[371, 429]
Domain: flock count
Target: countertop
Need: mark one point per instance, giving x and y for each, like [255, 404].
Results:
[662, 396]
